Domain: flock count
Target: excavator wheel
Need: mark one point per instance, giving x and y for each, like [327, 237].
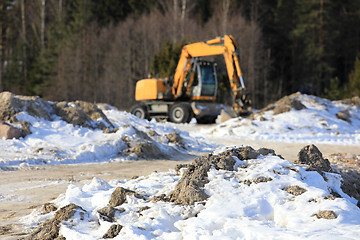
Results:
[180, 113]
[140, 110]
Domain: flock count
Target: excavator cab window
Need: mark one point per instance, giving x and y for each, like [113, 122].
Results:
[207, 77]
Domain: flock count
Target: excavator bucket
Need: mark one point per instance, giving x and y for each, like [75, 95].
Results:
[226, 114]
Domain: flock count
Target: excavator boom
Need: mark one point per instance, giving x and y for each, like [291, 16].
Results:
[225, 46]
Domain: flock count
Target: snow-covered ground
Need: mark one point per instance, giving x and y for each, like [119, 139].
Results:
[317, 123]
[238, 207]
[58, 142]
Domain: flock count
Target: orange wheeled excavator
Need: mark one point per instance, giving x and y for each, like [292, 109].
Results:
[192, 91]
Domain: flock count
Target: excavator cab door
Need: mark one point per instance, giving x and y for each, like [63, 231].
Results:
[205, 81]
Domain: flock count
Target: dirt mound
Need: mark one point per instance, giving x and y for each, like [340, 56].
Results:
[82, 114]
[311, 155]
[284, 104]
[78, 113]
[95, 113]
[11, 104]
[189, 189]
[354, 101]
[50, 229]
[147, 145]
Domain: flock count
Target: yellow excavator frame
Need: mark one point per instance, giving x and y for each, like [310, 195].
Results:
[225, 46]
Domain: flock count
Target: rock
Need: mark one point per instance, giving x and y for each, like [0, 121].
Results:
[11, 104]
[50, 229]
[295, 190]
[311, 156]
[113, 231]
[9, 132]
[118, 197]
[189, 188]
[326, 214]
[344, 115]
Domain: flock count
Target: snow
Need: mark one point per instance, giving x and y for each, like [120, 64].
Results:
[234, 209]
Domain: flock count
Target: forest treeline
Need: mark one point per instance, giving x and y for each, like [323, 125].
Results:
[96, 50]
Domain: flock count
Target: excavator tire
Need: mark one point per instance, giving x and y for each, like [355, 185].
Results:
[140, 110]
[180, 113]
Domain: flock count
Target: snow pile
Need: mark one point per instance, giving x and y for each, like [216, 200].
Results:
[263, 197]
[57, 141]
[298, 118]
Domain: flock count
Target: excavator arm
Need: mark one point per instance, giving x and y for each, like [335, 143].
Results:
[225, 46]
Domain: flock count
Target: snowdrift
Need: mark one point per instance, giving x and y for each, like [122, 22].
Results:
[237, 193]
[298, 118]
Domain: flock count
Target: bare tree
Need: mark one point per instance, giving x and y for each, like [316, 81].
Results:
[42, 27]
[23, 35]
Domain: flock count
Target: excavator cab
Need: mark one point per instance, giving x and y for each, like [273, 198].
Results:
[204, 83]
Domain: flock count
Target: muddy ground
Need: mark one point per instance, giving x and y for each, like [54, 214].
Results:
[25, 189]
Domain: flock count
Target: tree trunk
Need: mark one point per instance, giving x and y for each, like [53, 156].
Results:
[225, 7]
[42, 24]
[23, 35]
[176, 20]
[1, 51]
[183, 12]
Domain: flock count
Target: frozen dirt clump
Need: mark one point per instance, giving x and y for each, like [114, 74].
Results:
[295, 190]
[348, 166]
[175, 138]
[189, 188]
[50, 229]
[113, 231]
[118, 197]
[312, 156]
[108, 213]
[326, 214]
